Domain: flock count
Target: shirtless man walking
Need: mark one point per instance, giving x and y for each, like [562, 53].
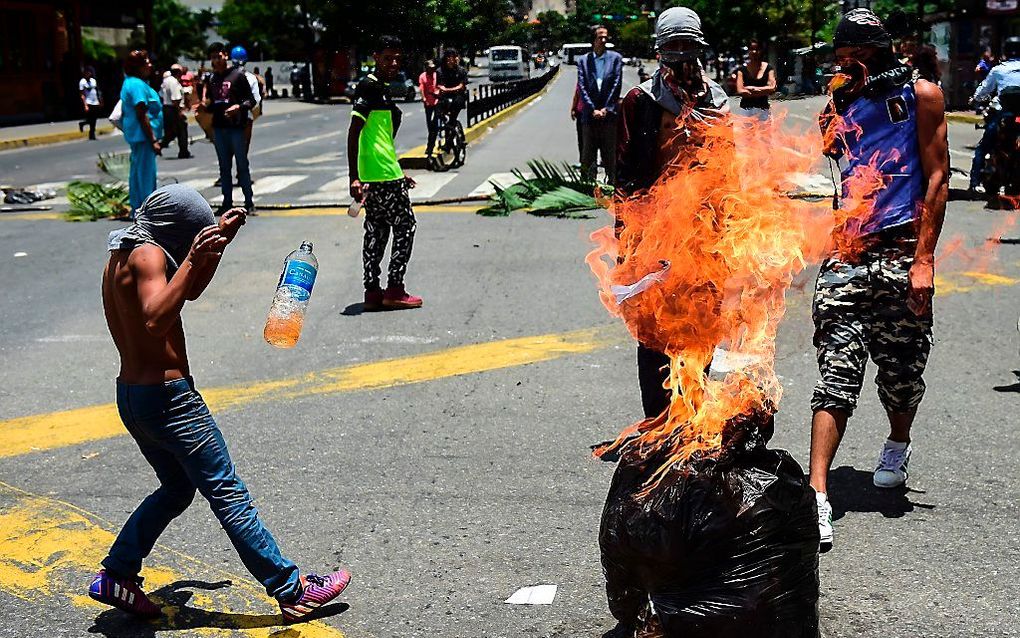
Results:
[167, 257]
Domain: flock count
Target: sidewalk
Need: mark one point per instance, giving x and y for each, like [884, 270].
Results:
[12, 137]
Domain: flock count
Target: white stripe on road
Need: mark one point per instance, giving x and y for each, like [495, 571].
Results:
[503, 179]
[306, 140]
[319, 159]
[337, 190]
[428, 184]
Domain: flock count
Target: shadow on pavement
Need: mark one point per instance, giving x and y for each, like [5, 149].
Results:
[354, 309]
[174, 598]
[1010, 388]
[852, 490]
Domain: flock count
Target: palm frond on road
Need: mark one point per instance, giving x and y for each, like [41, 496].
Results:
[556, 190]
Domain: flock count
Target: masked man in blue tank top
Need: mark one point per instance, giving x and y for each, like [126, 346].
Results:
[877, 301]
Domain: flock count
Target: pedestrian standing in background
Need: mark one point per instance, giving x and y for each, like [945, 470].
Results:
[142, 124]
[175, 116]
[875, 300]
[91, 101]
[378, 181]
[756, 81]
[984, 66]
[429, 97]
[239, 56]
[599, 77]
[230, 99]
[926, 64]
[269, 82]
[575, 114]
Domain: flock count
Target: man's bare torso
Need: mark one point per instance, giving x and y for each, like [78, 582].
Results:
[144, 358]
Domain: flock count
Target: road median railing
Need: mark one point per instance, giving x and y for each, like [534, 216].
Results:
[488, 105]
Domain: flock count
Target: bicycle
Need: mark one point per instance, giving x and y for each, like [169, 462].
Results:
[451, 144]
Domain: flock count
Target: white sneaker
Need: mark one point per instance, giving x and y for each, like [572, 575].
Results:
[892, 465]
[824, 522]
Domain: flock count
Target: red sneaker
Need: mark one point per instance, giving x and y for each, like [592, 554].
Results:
[373, 300]
[123, 594]
[316, 591]
[396, 298]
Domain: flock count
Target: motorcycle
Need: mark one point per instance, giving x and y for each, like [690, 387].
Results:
[1002, 161]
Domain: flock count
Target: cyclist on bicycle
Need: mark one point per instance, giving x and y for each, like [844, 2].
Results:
[451, 82]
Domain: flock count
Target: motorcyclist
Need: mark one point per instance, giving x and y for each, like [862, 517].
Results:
[1003, 76]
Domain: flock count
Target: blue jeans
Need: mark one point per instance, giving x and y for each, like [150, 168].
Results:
[231, 145]
[179, 438]
[142, 179]
[984, 147]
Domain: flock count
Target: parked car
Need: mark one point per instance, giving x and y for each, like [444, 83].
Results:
[401, 88]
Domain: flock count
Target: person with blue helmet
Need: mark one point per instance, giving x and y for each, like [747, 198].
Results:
[230, 99]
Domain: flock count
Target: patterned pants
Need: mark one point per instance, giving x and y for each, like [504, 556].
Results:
[387, 207]
[860, 309]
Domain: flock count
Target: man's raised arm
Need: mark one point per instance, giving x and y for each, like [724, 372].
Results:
[161, 301]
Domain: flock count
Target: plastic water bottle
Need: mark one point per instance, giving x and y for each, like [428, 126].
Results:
[286, 316]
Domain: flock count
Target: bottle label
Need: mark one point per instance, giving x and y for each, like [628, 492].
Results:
[299, 277]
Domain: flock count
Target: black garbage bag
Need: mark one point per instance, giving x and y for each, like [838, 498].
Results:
[722, 547]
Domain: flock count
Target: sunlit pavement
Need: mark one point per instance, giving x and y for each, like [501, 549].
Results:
[442, 454]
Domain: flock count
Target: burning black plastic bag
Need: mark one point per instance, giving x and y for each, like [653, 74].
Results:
[724, 547]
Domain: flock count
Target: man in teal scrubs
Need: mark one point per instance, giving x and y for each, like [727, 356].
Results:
[378, 181]
[143, 126]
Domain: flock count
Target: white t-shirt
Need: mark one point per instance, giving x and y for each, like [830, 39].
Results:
[170, 91]
[256, 92]
[90, 89]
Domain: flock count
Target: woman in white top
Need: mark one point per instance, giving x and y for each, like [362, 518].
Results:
[91, 101]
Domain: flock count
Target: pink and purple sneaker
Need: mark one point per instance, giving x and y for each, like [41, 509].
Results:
[124, 594]
[316, 592]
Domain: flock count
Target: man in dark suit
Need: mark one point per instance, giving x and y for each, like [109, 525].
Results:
[599, 75]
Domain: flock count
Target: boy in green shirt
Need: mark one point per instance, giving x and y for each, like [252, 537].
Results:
[378, 181]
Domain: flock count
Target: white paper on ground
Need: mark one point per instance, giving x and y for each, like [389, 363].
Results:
[534, 595]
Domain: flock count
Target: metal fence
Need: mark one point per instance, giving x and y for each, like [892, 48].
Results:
[488, 99]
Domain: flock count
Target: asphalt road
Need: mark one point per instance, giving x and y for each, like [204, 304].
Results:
[441, 463]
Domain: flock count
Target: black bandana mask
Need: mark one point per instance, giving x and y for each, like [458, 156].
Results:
[855, 78]
[685, 67]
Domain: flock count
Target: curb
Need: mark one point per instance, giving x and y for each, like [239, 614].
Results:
[51, 138]
[66, 136]
[965, 118]
[415, 158]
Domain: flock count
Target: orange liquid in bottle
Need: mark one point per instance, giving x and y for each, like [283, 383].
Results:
[283, 332]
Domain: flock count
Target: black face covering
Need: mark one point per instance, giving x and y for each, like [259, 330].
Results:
[880, 74]
[686, 68]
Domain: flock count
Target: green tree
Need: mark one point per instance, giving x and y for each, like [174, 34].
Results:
[271, 29]
[635, 38]
[178, 31]
[551, 30]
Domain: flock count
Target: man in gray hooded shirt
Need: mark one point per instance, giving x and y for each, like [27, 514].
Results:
[166, 258]
[647, 142]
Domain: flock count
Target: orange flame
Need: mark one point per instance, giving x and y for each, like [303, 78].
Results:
[722, 218]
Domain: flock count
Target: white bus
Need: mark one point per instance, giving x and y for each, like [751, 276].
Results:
[570, 52]
[509, 63]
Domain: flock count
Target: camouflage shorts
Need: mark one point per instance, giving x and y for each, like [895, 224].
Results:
[860, 309]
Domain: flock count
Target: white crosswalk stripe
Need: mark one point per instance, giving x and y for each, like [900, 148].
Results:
[503, 179]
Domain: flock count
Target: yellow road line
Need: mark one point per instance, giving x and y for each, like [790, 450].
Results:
[49, 549]
[70, 427]
[963, 282]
